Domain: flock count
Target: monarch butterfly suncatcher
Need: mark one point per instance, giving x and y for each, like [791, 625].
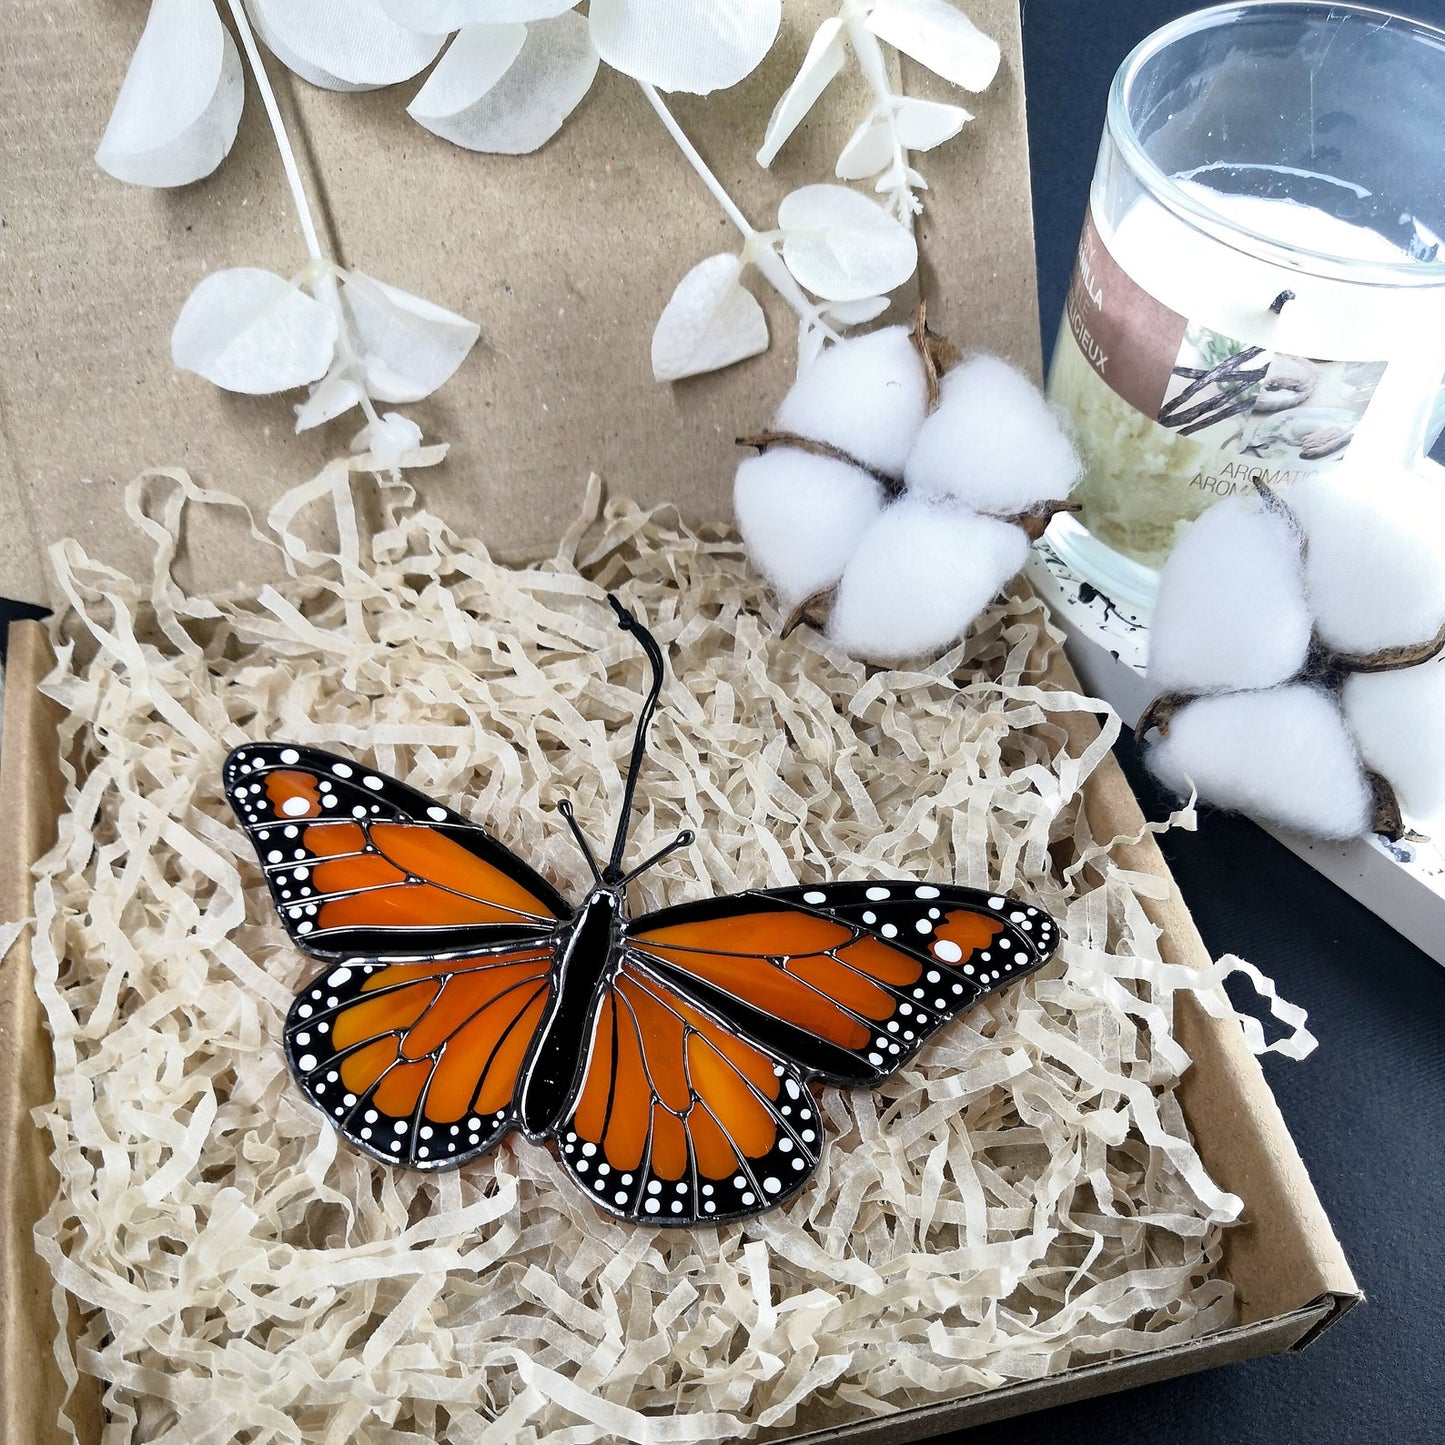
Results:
[668, 1059]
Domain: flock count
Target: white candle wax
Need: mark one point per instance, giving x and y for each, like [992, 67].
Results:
[1349, 372]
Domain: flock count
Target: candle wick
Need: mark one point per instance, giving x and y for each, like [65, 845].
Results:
[1278, 304]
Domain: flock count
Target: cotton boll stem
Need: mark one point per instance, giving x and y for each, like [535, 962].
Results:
[1391, 659]
[765, 440]
[757, 247]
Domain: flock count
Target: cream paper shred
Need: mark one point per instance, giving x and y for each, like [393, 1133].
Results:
[1022, 1198]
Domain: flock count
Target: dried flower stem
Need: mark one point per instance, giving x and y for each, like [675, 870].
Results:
[758, 246]
[278, 129]
[322, 273]
[903, 205]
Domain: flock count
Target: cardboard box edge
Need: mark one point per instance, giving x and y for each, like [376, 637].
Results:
[30, 794]
[1248, 1151]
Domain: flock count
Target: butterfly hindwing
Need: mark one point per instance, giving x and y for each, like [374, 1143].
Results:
[678, 1119]
[417, 1064]
[361, 865]
[844, 981]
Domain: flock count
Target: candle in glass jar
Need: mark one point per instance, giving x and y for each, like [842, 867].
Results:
[1260, 287]
[1201, 367]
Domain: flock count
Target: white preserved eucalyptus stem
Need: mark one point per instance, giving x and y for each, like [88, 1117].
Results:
[278, 128]
[875, 71]
[322, 271]
[757, 247]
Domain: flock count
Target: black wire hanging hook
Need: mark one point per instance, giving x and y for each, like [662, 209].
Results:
[612, 874]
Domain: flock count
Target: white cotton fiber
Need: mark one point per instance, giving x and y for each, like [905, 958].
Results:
[1375, 564]
[1398, 719]
[921, 575]
[867, 395]
[993, 442]
[1230, 611]
[801, 516]
[1283, 755]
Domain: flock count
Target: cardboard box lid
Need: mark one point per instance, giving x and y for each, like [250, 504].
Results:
[565, 258]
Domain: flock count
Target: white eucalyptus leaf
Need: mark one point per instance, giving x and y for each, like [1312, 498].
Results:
[410, 347]
[870, 149]
[330, 397]
[180, 104]
[343, 44]
[938, 36]
[254, 332]
[842, 246]
[441, 17]
[826, 56]
[508, 89]
[700, 46]
[924, 124]
[711, 322]
[856, 313]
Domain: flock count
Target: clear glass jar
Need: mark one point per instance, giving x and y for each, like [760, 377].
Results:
[1260, 290]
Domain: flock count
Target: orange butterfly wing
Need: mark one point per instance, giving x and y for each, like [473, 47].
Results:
[846, 981]
[418, 1063]
[679, 1119]
[442, 944]
[695, 1103]
[361, 865]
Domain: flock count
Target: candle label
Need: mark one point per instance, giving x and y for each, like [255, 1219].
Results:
[1204, 416]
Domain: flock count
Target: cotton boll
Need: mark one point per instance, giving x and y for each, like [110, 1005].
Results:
[1230, 612]
[993, 442]
[1398, 719]
[921, 575]
[801, 516]
[1283, 755]
[867, 396]
[1375, 562]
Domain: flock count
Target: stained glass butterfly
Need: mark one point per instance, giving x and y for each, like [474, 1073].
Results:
[669, 1059]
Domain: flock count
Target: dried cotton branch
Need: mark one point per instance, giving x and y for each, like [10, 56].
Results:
[1296, 644]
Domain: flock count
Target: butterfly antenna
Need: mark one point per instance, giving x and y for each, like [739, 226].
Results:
[565, 808]
[685, 839]
[613, 872]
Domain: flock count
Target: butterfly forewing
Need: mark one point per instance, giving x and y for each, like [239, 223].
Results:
[844, 981]
[418, 1063]
[678, 1119]
[361, 865]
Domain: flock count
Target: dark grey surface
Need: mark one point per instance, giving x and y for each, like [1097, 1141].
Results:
[1367, 1109]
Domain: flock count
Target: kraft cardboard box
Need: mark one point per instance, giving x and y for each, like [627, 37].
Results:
[565, 259]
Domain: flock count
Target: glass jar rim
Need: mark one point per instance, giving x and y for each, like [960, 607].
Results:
[1202, 217]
